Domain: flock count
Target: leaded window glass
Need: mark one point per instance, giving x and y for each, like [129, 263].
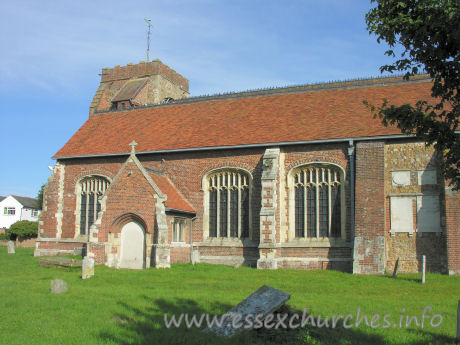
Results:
[178, 229]
[317, 201]
[228, 204]
[92, 188]
[213, 213]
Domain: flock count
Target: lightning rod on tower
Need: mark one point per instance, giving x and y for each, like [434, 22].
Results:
[148, 21]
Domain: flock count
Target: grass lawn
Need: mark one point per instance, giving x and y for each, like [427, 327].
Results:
[128, 307]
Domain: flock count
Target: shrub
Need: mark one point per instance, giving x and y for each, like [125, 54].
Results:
[23, 229]
[4, 237]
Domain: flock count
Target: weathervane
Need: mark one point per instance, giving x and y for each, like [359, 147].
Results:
[148, 37]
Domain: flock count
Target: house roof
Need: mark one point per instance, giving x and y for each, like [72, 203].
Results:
[175, 200]
[130, 90]
[2, 198]
[26, 201]
[307, 113]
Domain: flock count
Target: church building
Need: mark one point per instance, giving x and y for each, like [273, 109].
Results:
[299, 177]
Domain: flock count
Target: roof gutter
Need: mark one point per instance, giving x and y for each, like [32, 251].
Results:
[244, 146]
[168, 209]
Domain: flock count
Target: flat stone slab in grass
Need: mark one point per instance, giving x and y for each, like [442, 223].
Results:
[58, 286]
[60, 262]
[261, 303]
[87, 269]
[11, 247]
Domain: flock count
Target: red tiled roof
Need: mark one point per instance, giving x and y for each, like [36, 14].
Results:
[174, 199]
[287, 117]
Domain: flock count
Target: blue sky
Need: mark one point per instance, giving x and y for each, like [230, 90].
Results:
[53, 51]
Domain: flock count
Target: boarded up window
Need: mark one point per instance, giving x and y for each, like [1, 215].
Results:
[401, 214]
[426, 177]
[428, 218]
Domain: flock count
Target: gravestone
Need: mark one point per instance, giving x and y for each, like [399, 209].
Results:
[395, 271]
[195, 257]
[261, 303]
[78, 251]
[423, 268]
[87, 268]
[11, 247]
[58, 286]
[458, 322]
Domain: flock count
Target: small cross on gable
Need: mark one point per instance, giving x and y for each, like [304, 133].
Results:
[133, 145]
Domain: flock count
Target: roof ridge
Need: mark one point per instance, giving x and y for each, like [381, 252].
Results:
[296, 88]
[179, 192]
[172, 184]
[20, 196]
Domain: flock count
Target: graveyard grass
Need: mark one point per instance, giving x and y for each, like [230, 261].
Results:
[128, 307]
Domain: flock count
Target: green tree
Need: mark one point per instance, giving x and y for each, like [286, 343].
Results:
[428, 31]
[40, 196]
[23, 229]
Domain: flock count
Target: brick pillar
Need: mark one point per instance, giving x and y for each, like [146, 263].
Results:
[369, 240]
[50, 220]
[96, 249]
[453, 231]
[267, 245]
[161, 248]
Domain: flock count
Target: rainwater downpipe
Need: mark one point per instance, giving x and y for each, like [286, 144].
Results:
[191, 239]
[351, 156]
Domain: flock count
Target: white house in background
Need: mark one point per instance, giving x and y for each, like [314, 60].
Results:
[14, 208]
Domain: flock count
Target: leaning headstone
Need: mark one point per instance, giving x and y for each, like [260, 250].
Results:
[395, 271]
[11, 247]
[260, 304]
[87, 268]
[58, 286]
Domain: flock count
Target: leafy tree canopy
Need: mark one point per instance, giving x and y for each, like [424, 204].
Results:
[40, 196]
[23, 229]
[429, 33]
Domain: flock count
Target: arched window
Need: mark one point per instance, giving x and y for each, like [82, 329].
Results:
[228, 204]
[91, 189]
[318, 201]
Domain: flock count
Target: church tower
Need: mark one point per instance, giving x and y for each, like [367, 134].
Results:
[131, 86]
